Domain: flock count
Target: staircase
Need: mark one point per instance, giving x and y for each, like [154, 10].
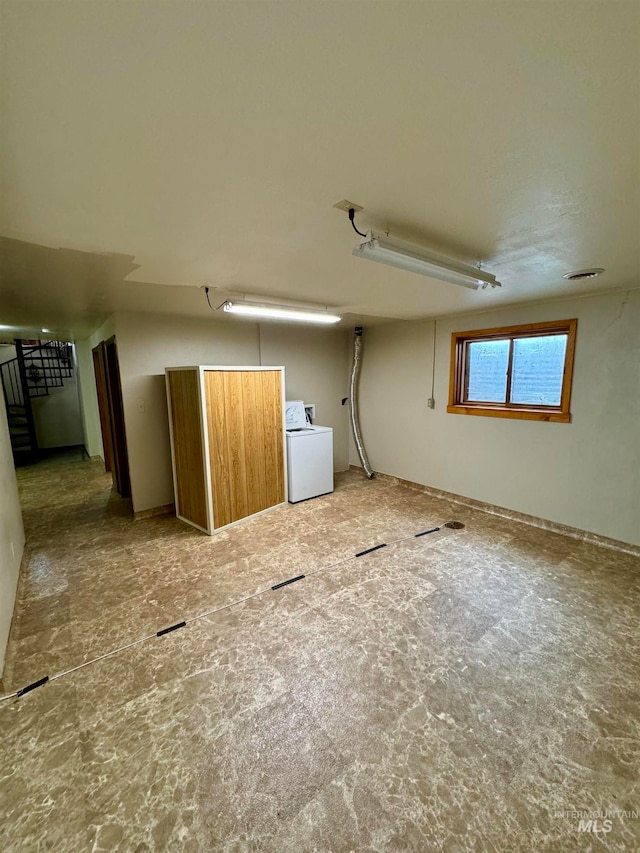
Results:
[37, 368]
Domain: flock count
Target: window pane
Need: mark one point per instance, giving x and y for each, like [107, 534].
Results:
[488, 362]
[538, 365]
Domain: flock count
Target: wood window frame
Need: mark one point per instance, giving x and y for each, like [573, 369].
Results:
[458, 377]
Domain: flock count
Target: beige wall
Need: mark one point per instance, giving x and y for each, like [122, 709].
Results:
[315, 372]
[11, 533]
[585, 474]
[107, 330]
[147, 343]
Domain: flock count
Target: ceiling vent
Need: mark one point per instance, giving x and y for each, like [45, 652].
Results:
[578, 275]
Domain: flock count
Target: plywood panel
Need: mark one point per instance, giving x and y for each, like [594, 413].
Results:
[245, 442]
[184, 394]
[278, 391]
[236, 444]
[274, 450]
[218, 451]
[252, 399]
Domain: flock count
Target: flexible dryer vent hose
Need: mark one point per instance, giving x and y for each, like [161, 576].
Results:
[353, 401]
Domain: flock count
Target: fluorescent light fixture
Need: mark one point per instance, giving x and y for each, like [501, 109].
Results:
[279, 312]
[406, 256]
[23, 327]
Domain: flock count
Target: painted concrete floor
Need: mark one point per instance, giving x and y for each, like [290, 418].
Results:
[467, 690]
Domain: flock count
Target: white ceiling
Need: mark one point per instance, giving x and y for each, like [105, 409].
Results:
[164, 145]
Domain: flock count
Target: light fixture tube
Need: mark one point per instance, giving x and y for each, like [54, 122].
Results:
[406, 256]
[280, 312]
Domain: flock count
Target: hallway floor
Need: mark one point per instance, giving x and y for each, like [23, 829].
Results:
[467, 690]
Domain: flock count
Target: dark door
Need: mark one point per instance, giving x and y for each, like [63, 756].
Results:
[115, 438]
[103, 404]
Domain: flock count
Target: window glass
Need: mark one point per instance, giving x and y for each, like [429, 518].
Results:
[537, 369]
[488, 363]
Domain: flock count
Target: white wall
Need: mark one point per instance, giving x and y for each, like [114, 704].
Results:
[88, 399]
[585, 474]
[7, 352]
[11, 533]
[314, 361]
[57, 416]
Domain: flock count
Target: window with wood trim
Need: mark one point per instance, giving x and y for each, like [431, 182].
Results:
[514, 372]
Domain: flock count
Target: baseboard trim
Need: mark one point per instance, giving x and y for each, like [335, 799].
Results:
[512, 515]
[167, 509]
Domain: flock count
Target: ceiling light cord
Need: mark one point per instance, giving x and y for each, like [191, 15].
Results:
[352, 215]
[206, 290]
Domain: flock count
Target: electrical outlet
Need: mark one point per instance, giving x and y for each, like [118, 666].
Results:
[431, 403]
[348, 205]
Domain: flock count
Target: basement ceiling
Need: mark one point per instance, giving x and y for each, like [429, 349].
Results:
[153, 147]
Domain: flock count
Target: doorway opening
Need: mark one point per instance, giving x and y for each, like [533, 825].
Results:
[40, 388]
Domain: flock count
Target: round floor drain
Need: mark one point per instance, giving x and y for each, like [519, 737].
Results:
[454, 525]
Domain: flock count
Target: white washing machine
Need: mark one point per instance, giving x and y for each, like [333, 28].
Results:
[309, 462]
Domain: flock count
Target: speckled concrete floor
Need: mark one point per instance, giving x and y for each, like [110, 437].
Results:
[465, 690]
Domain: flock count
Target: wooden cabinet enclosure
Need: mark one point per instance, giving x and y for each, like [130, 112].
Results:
[227, 442]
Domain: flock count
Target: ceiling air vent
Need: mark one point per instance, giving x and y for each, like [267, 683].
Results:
[578, 275]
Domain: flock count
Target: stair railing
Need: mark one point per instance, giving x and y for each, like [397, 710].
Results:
[12, 383]
[26, 396]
